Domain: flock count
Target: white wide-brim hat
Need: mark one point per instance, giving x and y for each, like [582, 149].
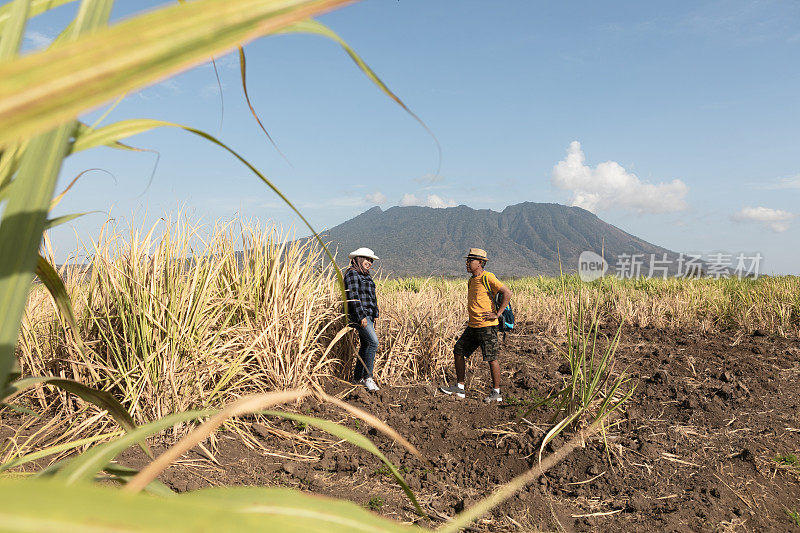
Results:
[363, 252]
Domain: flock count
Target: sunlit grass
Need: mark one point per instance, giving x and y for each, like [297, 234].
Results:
[179, 316]
[769, 304]
[183, 316]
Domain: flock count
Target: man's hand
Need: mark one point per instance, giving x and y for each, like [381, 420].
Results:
[490, 316]
[364, 322]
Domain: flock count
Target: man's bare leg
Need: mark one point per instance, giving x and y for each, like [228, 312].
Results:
[494, 370]
[461, 368]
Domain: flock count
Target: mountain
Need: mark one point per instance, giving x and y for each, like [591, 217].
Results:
[523, 240]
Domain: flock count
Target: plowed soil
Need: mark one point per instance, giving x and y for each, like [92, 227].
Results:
[706, 443]
[710, 441]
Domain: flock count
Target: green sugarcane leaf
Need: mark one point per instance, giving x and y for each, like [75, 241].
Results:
[14, 28]
[44, 89]
[84, 467]
[23, 220]
[283, 501]
[21, 230]
[101, 399]
[98, 509]
[52, 281]
[52, 450]
[53, 222]
[21, 410]
[37, 7]
[123, 474]
[84, 129]
[243, 75]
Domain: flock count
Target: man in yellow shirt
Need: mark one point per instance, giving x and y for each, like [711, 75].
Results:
[482, 327]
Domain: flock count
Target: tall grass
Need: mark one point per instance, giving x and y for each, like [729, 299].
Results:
[770, 304]
[146, 313]
[181, 316]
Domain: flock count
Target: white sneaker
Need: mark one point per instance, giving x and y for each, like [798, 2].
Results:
[494, 396]
[454, 389]
[371, 386]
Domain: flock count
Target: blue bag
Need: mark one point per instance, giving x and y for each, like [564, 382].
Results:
[506, 320]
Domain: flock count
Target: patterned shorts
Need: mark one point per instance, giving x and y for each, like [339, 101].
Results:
[486, 338]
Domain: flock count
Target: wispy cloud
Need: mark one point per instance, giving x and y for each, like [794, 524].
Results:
[228, 61]
[160, 91]
[775, 219]
[377, 198]
[37, 39]
[743, 22]
[792, 182]
[336, 202]
[609, 185]
[211, 90]
[429, 179]
[432, 200]
[345, 201]
[170, 85]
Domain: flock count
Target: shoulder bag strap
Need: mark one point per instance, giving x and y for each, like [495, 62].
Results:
[489, 290]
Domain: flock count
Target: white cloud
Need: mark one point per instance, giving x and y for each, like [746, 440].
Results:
[409, 199]
[432, 200]
[775, 219]
[437, 202]
[609, 185]
[378, 198]
[37, 39]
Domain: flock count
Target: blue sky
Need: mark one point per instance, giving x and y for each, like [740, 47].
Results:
[675, 121]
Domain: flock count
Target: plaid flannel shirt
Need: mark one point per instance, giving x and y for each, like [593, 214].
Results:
[361, 298]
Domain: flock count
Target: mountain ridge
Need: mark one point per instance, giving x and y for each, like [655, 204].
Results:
[524, 239]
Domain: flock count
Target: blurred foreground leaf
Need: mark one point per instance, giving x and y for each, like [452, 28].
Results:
[94, 508]
[45, 89]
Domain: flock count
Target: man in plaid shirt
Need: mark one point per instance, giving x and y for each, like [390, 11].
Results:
[362, 308]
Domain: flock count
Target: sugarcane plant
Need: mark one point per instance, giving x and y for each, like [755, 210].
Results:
[41, 98]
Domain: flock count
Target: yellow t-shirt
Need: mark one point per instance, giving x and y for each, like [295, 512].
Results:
[479, 301]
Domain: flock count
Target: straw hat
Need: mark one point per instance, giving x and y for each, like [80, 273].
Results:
[477, 253]
[363, 252]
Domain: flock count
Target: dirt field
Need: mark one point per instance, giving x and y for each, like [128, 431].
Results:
[696, 451]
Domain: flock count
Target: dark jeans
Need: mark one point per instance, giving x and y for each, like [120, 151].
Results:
[366, 353]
